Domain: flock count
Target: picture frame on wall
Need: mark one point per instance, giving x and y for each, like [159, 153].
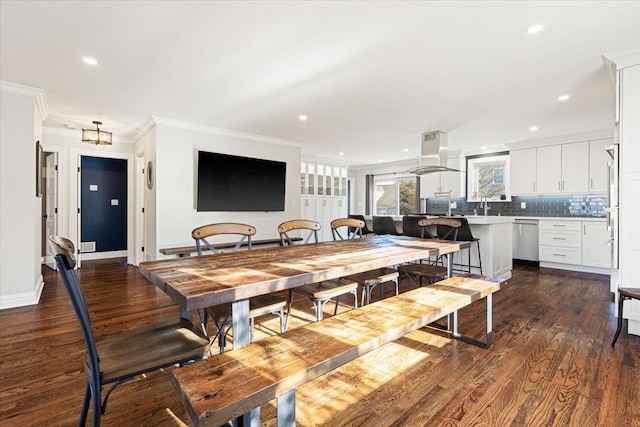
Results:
[38, 169]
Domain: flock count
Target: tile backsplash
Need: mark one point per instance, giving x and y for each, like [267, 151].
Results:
[560, 205]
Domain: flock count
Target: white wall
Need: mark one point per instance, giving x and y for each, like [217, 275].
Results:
[176, 148]
[20, 209]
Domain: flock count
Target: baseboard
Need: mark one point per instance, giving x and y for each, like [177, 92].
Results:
[526, 262]
[24, 298]
[90, 256]
[573, 267]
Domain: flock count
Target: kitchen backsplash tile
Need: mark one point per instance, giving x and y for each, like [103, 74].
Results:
[560, 205]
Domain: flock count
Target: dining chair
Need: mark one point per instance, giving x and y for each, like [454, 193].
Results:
[429, 270]
[258, 306]
[120, 357]
[368, 279]
[385, 225]
[322, 292]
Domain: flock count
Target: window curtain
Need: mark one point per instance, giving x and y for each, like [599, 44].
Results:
[418, 207]
[369, 192]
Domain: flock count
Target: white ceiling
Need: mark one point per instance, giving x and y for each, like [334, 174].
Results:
[371, 76]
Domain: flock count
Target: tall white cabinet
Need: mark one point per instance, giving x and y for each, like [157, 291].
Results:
[323, 191]
[627, 71]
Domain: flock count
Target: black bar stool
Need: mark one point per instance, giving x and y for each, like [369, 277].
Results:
[623, 295]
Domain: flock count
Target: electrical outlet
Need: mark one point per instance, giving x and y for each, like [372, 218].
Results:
[454, 205]
[523, 205]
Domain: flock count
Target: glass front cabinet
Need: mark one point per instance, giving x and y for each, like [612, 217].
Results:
[325, 186]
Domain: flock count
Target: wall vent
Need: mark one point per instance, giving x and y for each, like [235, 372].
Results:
[87, 247]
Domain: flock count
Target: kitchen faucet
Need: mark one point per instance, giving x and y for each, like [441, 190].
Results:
[484, 204]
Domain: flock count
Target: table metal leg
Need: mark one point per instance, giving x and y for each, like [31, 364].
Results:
[449, 264]
[186, 314]
[287, 409]
[242, 338]
[487, 343]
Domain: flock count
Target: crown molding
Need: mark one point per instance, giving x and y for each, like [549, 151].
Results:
[562, 139]
[37, 94]
[624, 57]
[324, 160]
[218, 131]
[146, 126]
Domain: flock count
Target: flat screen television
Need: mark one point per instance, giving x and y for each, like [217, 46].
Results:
[234, 183]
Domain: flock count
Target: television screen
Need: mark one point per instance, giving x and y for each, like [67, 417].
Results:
[233, 183]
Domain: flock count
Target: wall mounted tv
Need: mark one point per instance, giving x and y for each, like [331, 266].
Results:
[233, 183]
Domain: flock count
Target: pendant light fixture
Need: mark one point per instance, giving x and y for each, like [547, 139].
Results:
[96, 136]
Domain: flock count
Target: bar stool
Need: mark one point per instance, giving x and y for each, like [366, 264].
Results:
[385, 225]
[429, 270]
[464, 235]
[410, 225]
[623, 295]
[369, 279]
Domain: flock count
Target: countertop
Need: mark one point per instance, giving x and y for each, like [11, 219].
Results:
[495, 219]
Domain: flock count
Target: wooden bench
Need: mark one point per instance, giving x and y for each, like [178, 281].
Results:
[238, 382]
[183, 251]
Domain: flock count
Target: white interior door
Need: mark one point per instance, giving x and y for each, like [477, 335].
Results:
[51, 202]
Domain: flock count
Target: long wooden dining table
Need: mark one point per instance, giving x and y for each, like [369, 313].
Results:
[234, 277]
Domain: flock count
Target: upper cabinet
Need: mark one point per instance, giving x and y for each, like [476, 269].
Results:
[578, 167]
[442, 181]
[598, 159]
[322, 180]
[523, 171]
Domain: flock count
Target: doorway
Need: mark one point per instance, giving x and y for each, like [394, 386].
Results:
[103, 207]
[49, 205]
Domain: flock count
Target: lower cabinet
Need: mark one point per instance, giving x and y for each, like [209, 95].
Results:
[323, 210]
[574, 243]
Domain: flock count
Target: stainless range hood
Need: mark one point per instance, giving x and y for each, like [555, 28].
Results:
[433, 155]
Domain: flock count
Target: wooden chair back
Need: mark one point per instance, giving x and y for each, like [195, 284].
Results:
[355, 227]
[200, 234]
[451, 234]
[298, 224]
[365, 229]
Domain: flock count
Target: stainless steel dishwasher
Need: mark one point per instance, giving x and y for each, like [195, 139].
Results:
[525, 241]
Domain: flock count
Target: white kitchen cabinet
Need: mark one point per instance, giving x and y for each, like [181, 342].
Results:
[324, 217]
[523, 171]
[598, 159]
[323, 198]
[549, 169]
[596, 249]
[450, 181]
[308, 208]
[575, 170]
[442, 181]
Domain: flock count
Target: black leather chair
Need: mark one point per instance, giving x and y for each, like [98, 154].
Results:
[123, 356]
[410, 225]
[364, 230]
[464, 235]
[385, 225]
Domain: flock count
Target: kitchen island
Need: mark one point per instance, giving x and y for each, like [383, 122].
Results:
[495, 234]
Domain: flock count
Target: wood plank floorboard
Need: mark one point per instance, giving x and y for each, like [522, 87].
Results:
[551, 362]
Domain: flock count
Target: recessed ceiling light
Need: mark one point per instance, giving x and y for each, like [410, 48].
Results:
[533, 128]
[90, 61]
[483, 148]
[406, 150]
[563, 98]
[302, 118]
[379, 160]
[341, 153]
[534, 28]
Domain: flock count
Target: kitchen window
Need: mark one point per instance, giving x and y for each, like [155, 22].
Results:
[488, 176]
[395, 196]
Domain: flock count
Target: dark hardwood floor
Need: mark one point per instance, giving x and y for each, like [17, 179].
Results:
[551, 362]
